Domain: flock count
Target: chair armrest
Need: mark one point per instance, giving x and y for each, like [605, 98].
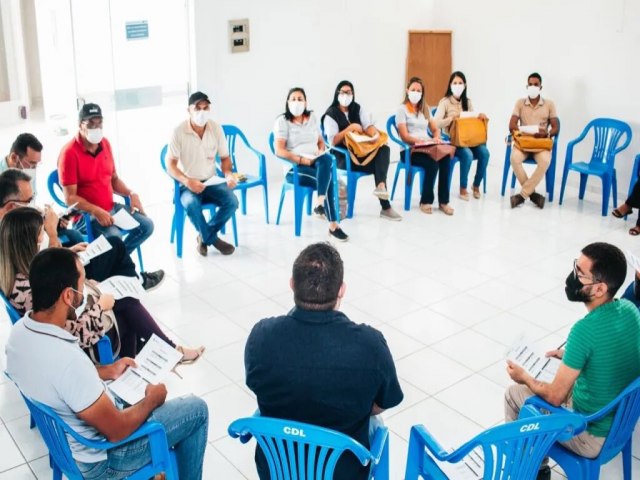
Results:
[431, 443]
[539, 404]
[148, 429]
[380, 438]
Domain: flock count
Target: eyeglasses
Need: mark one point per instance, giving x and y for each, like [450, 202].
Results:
[579, 274]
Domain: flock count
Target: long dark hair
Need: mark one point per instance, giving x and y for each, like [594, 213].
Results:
[463, 98]
[19, 232]
[421, 104]
[287, 113]
[351, 109]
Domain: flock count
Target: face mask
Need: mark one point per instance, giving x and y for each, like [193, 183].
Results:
[533, 91]
[94, 135]
[414, 97]
[344, 99]
[76, 310]
[296, 107]
[200, 117]
[457, 90]
[574, 289]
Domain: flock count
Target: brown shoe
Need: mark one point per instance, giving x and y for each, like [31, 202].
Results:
[444, 207]
[516, 200]
[201, 247]
[537, 199]
[224, 247]
[476, 192]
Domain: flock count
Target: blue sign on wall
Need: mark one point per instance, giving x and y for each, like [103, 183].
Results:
[137, 30]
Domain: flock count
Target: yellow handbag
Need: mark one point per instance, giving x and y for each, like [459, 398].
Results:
[362, 151]
[468, 132]
[530, 144]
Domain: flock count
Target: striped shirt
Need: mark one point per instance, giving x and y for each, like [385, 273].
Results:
[605, 347]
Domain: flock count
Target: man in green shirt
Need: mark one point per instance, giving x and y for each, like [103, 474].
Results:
[602, 354]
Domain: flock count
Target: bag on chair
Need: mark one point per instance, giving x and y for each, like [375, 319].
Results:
[362, 152]
[468, 132]
[530, 144]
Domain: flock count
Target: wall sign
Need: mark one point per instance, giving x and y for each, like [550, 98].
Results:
[137, 30]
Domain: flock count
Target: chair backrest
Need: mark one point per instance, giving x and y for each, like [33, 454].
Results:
[232, 133]
[163, 157]
[298, 450]
[271, 143]
[392, 131]
[608, 139]
[624, 421]
[516, 449]
[53, 183]
[14, 315]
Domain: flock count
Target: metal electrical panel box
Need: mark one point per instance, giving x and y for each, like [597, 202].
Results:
[239, 35]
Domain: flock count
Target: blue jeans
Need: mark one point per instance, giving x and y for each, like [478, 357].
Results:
[70, 237]
[319, 176]
[134, 237]
[221, 196]
[186, 421]
[466, 156]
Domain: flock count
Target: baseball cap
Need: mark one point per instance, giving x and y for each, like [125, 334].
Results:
[196, 97]
[88, 111]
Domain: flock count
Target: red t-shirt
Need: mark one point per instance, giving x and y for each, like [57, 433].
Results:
[92, 175]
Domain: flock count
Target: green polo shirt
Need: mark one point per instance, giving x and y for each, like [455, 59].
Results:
[605, 347]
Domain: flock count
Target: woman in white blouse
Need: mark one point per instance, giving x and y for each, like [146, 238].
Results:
[298, 139]
[450, 107]
[413, 119]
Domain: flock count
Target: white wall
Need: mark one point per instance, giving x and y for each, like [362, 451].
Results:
[586, 53]
[308, 44]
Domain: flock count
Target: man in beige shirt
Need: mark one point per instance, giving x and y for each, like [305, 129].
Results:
[533, 110]
[191, 160]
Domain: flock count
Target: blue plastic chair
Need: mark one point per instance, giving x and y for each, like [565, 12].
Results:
[410, 171]
[550, 175]
[296, 450]
[627, 410]
[179, 213]
[608, 134]
[54, 432]
[513, 450]
[232, 133]
[53, 182]
[300, 192]
[352, 175]
[455, 160]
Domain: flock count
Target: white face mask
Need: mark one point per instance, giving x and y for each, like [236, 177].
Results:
[533, 91]
[200, 117]
[94, 135]
[345, 99]
[414, 97]
[457, 90]
[82, 306]
[296, 107]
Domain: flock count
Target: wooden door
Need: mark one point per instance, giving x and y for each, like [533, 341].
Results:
[429, 57]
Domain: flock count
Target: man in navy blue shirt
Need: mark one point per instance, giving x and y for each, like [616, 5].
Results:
[314, 365]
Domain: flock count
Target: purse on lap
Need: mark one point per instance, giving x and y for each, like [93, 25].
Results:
[437, 151]
[531, 144]
[362, 152]
[468, 132]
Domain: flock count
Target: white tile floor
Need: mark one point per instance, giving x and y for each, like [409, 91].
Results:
[449, 293]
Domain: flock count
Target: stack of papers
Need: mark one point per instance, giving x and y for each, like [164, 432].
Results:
[154, 362]
[95, 248]
[215, 180]
[124, 221]
[530, 129]
[121, 286]
[468, 115]
[363, 138]
[525, 354]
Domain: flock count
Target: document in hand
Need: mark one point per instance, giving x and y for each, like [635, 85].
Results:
[633, 261]
[95, 248]
[156, 359]
[124, 221]
[525, 354]
[215, 180]
[468, 115]
[356, 137]
[121, 286]
[530, 129]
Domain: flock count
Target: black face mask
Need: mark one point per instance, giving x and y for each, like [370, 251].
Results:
[573, 287]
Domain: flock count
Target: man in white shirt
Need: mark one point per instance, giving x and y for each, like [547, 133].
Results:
[191, 160]
[48, 366]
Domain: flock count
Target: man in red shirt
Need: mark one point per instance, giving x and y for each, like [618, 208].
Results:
[88, 177]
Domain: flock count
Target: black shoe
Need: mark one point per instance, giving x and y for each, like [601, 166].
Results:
[224, 247]
[537, 199]
[319, 212]
[152, 280]
[544, 473]
[339, 235]
[201, 247]
[516, 200]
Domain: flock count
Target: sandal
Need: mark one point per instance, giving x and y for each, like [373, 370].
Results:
[426, 208]
[635, 231]
[189, 361]
[618, 213]
[446, 209]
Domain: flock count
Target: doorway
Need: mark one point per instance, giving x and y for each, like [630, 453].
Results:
[429, 57]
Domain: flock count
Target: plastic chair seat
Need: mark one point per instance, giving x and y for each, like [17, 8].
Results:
[584, 167]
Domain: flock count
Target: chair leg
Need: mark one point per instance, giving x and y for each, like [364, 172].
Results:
[505, 171]
[408, 187]
[265, 194]
[235, 229]
[626, 460]
[382, 469]
[606, 193]
[243, 196]
[298, 200]
[179, 232]
[309, 199]
[565, 172]
[583, 185]
[282, 193]
[351, 195]
[614, 189]
[513, 181]
[140, 259]
[32, 422]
